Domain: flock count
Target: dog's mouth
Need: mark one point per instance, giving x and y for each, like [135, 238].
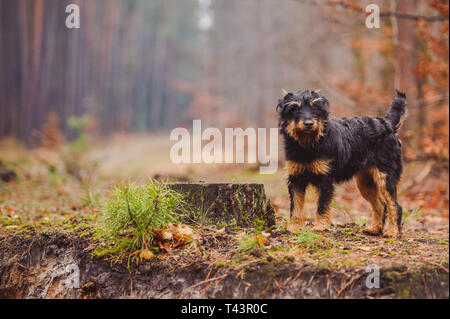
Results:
[305, 134]
[307, 130]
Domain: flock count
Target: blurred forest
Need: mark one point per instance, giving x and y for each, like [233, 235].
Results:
[138, 65]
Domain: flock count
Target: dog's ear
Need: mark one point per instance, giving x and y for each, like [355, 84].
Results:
[283, 100]
[325, 103]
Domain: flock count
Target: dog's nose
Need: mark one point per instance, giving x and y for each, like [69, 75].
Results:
[308, 123]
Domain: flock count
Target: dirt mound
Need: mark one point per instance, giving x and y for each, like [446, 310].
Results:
[45, 266]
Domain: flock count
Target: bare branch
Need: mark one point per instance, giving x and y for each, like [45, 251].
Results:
[385, 14]
[399, 15]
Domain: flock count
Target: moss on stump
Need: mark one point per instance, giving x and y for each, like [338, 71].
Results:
[228, 204]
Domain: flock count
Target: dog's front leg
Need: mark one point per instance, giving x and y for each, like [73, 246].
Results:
[297, 195]
[323, 221]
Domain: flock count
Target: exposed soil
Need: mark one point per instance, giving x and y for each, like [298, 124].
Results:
[33, 265]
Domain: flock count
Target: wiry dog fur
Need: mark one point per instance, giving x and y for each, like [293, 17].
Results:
[322, 151]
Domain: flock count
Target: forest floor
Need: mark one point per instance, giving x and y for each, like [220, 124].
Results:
[48, 216]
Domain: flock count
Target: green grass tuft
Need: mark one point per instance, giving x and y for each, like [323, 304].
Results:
[133, 216]
[308, 238]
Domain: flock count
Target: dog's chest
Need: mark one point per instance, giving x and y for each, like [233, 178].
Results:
[319, 166]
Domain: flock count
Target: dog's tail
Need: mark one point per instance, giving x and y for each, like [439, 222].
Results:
[397, 111]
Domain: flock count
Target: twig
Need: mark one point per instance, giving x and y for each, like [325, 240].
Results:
[350, 282]
[265, 290]
[278, 285]
[425, 285]
[209, 284]
[209, 273]
[22, 266]
[205, 281]
[439, 265]
[289, 280]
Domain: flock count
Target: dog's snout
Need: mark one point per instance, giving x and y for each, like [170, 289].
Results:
[308, 123]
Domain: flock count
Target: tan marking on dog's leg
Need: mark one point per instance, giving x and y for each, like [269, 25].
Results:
[391, 212]
[391, 209]
[297, 221]
[373, 195]
[323, 221]
[294, 168]
[320, 166]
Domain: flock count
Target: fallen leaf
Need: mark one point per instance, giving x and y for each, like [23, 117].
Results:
[167, 235]
[180, 232]
[146, 254]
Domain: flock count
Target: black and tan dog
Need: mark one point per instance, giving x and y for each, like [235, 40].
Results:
[322, 151]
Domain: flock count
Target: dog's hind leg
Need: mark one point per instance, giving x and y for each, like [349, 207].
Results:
[372, 192]
[394, 210]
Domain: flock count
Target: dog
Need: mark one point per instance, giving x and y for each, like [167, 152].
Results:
[323, 151]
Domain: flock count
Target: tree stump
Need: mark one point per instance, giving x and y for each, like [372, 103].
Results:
[243, 205]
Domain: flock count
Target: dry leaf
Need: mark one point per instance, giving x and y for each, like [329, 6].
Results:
[146, 254]
[180, 232]
[167, 235]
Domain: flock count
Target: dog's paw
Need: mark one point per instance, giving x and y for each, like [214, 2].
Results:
[391, 234]
[372, 231]
[294, 227]
[322, 224]
[321, 227]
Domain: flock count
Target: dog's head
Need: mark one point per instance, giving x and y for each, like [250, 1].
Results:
[303, 116]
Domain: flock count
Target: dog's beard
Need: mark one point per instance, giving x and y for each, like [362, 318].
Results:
[303, 136]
